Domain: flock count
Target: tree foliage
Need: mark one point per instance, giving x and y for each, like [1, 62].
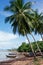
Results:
[26, 47]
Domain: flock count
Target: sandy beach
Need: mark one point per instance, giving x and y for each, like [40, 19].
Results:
[21, 61]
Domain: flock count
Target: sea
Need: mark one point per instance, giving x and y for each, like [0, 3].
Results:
[3, 55]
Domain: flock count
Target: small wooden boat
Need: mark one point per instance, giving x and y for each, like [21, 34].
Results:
[30, 54]
[11, 56]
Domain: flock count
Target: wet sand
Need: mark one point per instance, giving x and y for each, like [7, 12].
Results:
[21, 61]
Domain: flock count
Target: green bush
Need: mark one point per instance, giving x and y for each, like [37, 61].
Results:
[26, 47]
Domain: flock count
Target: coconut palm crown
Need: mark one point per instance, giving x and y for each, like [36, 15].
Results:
[21, 19]
[38, 24]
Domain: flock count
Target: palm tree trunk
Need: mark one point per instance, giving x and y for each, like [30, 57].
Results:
[41, 37]
[37, 45]
[30, 45]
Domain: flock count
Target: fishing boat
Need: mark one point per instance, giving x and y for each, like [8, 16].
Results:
[12, 53]
[11, 56]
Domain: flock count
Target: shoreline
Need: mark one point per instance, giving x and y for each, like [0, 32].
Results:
[14, 60]
[21, 61]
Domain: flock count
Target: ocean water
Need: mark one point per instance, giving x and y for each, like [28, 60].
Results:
[3, 55]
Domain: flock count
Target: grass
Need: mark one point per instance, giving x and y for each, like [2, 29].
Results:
[36, 61]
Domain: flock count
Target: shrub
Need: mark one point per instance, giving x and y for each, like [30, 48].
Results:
[26, 47]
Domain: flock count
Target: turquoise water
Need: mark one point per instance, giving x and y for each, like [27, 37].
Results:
[3, 55]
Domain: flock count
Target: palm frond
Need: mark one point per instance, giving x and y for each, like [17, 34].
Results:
[27, 5]
[14, 25]
[7, 8]
[10, 18]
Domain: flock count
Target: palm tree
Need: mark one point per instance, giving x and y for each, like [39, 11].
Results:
[38, 27]
[40, 30]
[37, 45]
[21, 18]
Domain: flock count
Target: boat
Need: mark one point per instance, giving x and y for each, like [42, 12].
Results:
[11, 56]
[12, 53]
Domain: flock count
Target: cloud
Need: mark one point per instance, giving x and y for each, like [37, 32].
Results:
[5, 13]
[7, 45]
[40, 39]
[26, 41]
[5, 36]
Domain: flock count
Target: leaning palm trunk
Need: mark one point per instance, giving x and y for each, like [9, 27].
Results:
[41, 37]
[37, 45]
[31, 46]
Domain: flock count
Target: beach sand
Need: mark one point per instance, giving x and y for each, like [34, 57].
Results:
[21, 61]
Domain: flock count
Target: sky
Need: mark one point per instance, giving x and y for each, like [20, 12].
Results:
[8, 40]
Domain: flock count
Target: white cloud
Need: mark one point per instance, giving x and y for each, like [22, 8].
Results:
[5, 13]
[5, 36]
[26, 41]
[40, 39]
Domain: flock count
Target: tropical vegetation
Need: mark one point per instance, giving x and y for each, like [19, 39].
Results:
[25, 20]
[25, 47]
